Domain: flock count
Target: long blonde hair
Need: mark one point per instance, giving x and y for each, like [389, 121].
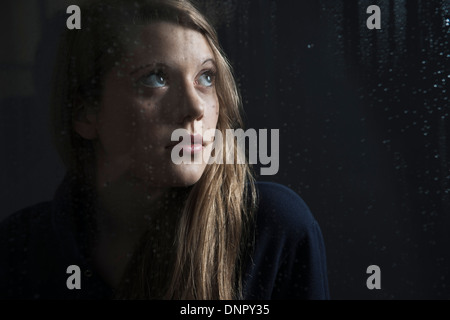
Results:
[202, 256]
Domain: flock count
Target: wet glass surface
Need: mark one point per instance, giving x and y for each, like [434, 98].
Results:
[363, 118]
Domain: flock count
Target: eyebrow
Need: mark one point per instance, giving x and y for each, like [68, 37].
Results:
[208, 60]
[163, 65]
[156, 64]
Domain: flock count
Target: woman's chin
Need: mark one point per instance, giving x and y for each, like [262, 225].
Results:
[186, 175]
[183, 175]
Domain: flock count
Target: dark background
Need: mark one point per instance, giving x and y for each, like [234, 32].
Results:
[363, 118]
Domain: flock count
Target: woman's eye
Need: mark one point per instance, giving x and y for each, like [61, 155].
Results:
[206, 79]
[154, 80]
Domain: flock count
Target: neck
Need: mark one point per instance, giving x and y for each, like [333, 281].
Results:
[126, 207]
[125, 210]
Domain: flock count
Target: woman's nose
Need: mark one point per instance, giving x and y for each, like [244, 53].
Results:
[191, 105]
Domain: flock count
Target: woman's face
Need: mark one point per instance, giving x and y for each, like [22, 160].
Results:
[165, 82]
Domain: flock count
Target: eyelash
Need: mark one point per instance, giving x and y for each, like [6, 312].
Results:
[212, 74]
[160, 73]
[157, 72]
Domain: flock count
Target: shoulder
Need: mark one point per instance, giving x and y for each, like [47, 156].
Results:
[288, 259]
[281, 210]
[27, 219]
[27, 252]
[25, 229]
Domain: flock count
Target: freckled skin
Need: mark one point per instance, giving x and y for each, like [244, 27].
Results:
[135, 121]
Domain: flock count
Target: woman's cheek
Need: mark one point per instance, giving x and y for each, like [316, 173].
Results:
[117, 129]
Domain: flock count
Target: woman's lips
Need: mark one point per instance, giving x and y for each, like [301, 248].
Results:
[192, 148]
[197, 144]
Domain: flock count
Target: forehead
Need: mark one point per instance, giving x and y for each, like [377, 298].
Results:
[170, 43]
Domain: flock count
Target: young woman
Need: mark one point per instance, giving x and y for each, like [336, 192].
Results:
[138, 225]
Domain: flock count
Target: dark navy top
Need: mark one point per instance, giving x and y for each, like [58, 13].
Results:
[38, 243]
